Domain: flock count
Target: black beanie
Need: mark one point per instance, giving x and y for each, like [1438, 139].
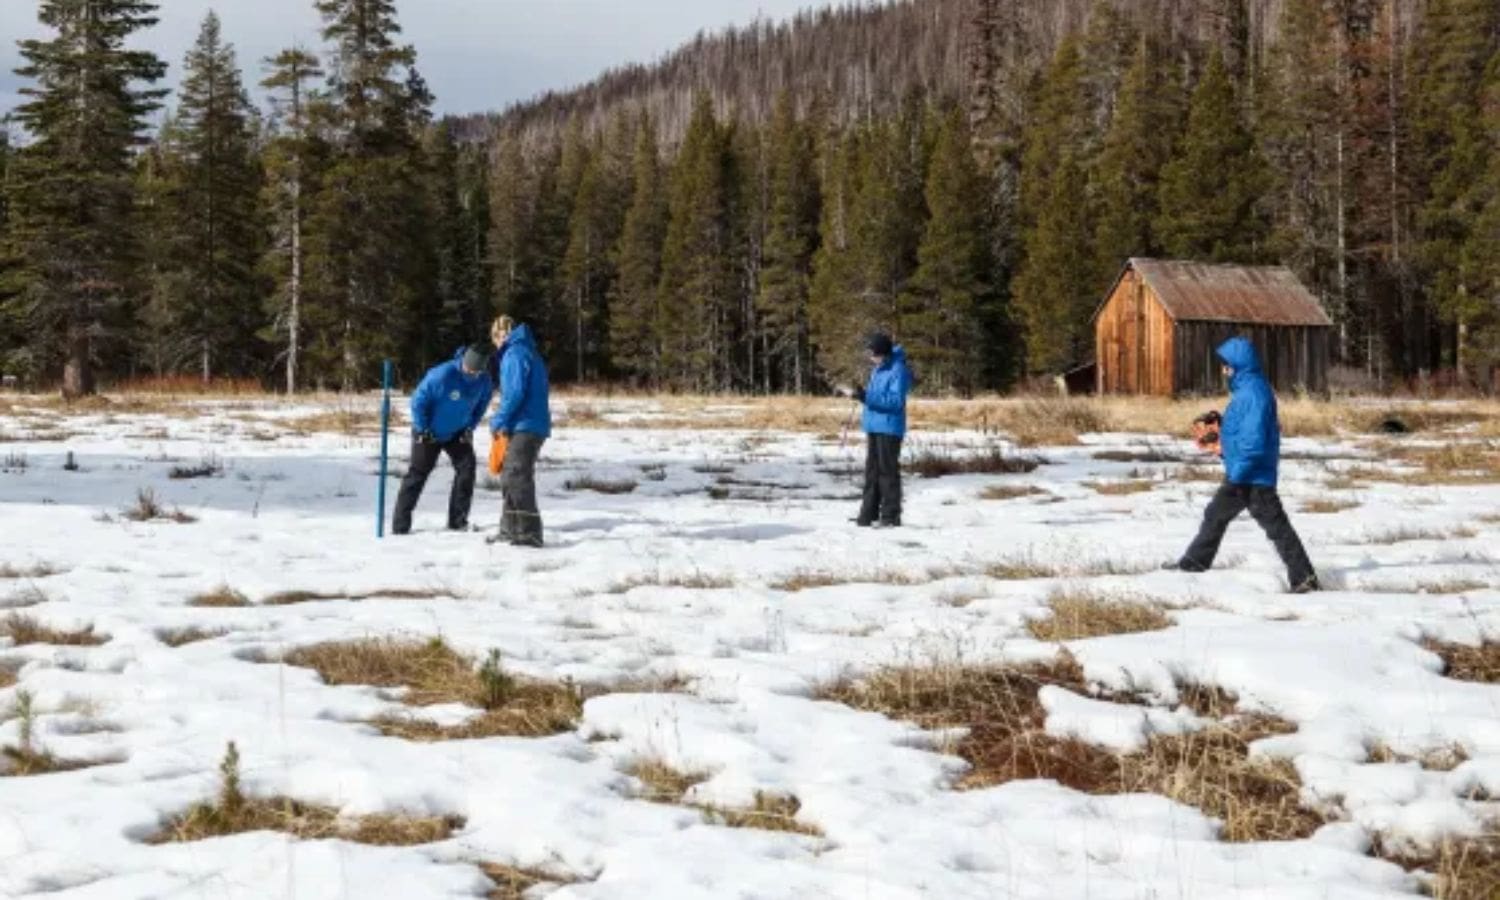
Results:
[879, 344]
[475, 358]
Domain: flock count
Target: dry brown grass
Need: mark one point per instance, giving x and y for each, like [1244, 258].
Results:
[1462, 868]
[8, 676]
[23, 629]
[181, 637]
[513, 883]
[1440, 759]
[345, 419]
[1327, 506]
[1406, 533]
[433, 673]
[698, 581]
[148, 508]
[1120, 488]
[660, 783]
[939, 461]
[220, 597]
[290, 598]
[1004, 739]
[1080, 613]
[808, 579]
[36, 570]
[1027, 566]
[23, 762]
[599, 485]
[31, 595]
[1466, 662]
[1010, 492]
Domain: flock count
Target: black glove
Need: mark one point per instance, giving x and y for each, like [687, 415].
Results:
[426, 436]
[1212, 418]
[859, 394]
[467, 436]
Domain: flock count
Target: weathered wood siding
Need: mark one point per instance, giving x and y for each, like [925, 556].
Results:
[1133, 341]
[1295, 358]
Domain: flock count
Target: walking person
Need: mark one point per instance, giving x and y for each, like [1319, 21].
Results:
[445, 409]
[524, 421]
[884, 422]
[1250, 441]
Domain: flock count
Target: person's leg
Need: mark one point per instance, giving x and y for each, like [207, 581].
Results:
[1228, 503]
[869, 507]
[1265, 506]
[423, 458]
[521, 521]
[889, 464]
[461, 454]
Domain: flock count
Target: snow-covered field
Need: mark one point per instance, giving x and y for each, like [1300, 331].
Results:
[701, 573]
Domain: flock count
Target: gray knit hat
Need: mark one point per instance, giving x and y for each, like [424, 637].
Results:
[475, 358]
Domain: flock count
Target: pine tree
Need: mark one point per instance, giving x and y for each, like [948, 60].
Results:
[371, 245]
[1134, 151]
[587, 273]
[1211, 190]
[943, 311]
[291, 162]
[72, 191]
[1479, 269]
[697, 279]
[832, 303]
[635, 346]
[1458, 39]
[791, 240]
[1054, 293]
[1060, 120]
[211, 209]
[513, 199]
[10, 336]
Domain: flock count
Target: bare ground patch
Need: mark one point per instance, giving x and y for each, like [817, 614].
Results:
[289, 598]
[1327, 506]
[1120, 488]
[222, 596]
[1467, 662]
[1010, 491]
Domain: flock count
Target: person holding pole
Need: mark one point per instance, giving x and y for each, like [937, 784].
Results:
[445, 409]
[884, 399]
[524, 421]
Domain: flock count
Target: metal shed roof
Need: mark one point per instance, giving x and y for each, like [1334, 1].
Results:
[1205, 292]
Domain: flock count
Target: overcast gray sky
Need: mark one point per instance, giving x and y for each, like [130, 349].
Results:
[477, 55]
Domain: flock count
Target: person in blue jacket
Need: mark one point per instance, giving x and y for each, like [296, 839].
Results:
[1250, 441]
[524, 418]
[445, 409]
[884, 421]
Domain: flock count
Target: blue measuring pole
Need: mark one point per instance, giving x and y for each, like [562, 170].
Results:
[385, 443]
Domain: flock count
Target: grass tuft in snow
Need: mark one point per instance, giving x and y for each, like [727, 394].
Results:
[289, 598]
[699, 581]
[181, 637]
[434, 673]
[26, 757]
[1079, 613]
[232, 812]
[1405, 533]
[1466, 662]
[1439, 759]
[24, 629]
[148, 508]
[1010, 491]
[8, 676]
[36, 570]
[1120, 488]
[999, 720]
[208, 467]
[1461, 868]
[938, 461]
[513, 883]
[808, 579]
[660, 782]
[1027, 566]
[1328, 505]
[221, 596]
[599, 485]
[770, 812]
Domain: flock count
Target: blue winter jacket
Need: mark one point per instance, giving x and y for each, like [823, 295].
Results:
[885, 396]
[1250, 433]
[448, 402]
[524, 390]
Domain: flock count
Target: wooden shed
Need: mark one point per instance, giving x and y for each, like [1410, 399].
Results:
[1156, 330]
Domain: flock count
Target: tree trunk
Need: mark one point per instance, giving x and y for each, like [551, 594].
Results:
[78, 372]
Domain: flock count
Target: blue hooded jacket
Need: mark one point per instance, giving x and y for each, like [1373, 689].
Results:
[524, 389]
[885, 396]
[1250, 433]
[448, 402]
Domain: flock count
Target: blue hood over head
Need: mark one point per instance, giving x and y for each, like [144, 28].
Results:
[1250, 434]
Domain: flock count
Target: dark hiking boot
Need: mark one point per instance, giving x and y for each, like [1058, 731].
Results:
[1307, 585]
[526, 542]
[892, 524]
[1182, 565]
[861, 523]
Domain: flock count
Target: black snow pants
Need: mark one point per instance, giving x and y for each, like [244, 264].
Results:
[424, 458]
[1265, 506]
[882, 498]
